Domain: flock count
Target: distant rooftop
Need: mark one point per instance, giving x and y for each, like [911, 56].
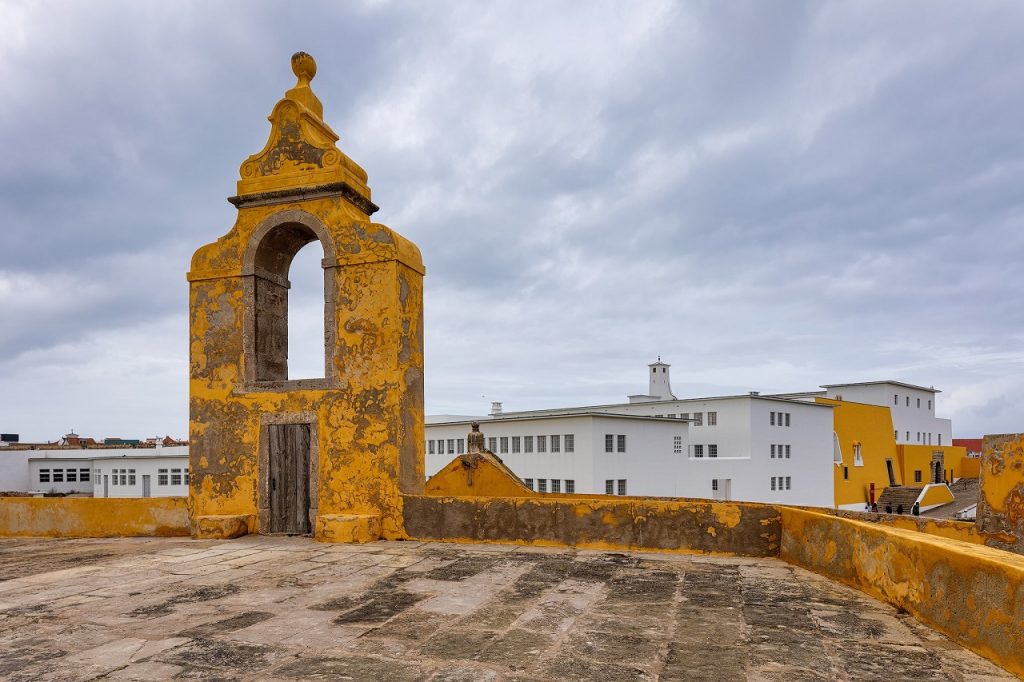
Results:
[891, 382]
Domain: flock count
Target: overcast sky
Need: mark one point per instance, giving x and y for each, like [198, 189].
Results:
[768, 195]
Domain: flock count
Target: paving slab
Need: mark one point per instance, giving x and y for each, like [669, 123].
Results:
[279, 608]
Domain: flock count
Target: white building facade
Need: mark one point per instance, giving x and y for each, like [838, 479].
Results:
[912, 408]
[130, 472]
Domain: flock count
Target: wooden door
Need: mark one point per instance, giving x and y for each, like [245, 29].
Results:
[288, 487]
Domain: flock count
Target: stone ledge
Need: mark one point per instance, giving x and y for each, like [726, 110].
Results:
[347, 528]
[222, 526]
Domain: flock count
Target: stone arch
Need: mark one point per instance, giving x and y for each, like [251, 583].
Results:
[265, 266]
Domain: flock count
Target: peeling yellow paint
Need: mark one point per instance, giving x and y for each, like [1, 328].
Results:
[88, 517]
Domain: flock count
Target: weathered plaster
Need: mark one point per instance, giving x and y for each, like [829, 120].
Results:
[1001, 502]
[88, 517]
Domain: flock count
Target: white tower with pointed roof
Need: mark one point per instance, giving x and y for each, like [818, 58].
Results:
[660, 386]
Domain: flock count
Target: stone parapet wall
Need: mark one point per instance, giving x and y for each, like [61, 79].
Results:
[973, 594]
[613, 523]
[90, 517]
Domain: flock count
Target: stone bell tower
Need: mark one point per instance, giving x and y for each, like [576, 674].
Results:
[329, 456]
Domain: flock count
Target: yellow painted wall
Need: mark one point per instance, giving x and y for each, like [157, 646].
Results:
[970, 467]
[914, 458]
[973, 594]
[871, 426]
[477, 474]
[91, 517]
[1001, 502]
[935, 495]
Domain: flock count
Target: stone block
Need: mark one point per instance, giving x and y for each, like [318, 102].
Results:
[348, 528]
[222, 526]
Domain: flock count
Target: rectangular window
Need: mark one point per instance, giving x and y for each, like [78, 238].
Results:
[556, 444]
[677, 445]
[714, 485]
[698, 419]
[161, 476]
[788, 481]
[919, 403]
[713, 450]
[771, 419]
[570, 485]
[570, 442]
[504, 444]
[929, 404]
[671, 416]
[528, 482]
[684, 415]
[542, 443]
[609, 442]
[124, 477]
[773, 483]
[542, 485]
[787, 452]
[895, 398]
[698, 450]
[492, 444]
[131, 476]
[609, 487]
[621, 443]
[895, 434]
[908, 401]
[72, 476]
[940, 439]
[527, 443]
[918, 436]
[773, 450]
[908, 436]
[556, 485]
[846, 473]
[186, 475]
[517, 444]
[175, 476]
[58, 475]
[430, 447]
[917, 476]
[787, 419]
[622, 486]
[83, 475]
[460, 446]
[451, 446]
[44, 475]
[712, 419]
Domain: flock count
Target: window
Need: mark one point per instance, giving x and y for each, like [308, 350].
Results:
[621, 443]
[175, 476]
[556, 444]
[609, 487]
[787, 419]
[684, 415]
[846, 473]
[622, 486]
[698, 419]
[460, 446]
[714, 485]
[58, 475]
[771, 420]
[451, 446]
[919, 403]
[895, 435]
[917, 476]
[858, 460]
[44, 475]
[570, 442]
[787, 452]
[895, 398]
[556, 485]
[124, 477]
[908, 401]
[659, 416]
[517, 444]
[677, 445]
[773, 450]
[609, 442]
[542, 485]
[940, 439]
[908, 435]
[71, 476]
[542, 443]
[918, 436]
[492, 444]
[712, 419]
[773, 483]
[528, 482]
[504, 444]
[671, 416]
[161, 476]
[430, 447]
[788, 481]
[527, 443]
[570, 485]
[131, 476]
[698, 450]
[713, 450]
[929, 404]
[83, 475]
[186, 475]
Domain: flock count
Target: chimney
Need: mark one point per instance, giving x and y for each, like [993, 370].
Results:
[495, 409]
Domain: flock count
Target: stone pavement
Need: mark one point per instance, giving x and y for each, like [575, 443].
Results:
[263, 608]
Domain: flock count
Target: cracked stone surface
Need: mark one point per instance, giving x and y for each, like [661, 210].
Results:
[278, 608]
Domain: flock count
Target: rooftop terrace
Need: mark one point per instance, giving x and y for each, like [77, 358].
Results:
[287, 608]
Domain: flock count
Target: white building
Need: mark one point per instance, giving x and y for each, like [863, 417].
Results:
[912, 408]
[128, 472]
[748, 447]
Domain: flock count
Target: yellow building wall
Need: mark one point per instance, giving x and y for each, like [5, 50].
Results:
[871, 427]
[936, 495]
[914, 458]
[970, 467]
[93, 517]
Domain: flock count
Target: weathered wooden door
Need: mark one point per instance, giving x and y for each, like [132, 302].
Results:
[288, 487]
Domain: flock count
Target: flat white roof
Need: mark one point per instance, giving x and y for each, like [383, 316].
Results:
[521, 416]
[891, 382]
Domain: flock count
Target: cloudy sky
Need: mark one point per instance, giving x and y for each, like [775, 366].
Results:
[770, 196]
